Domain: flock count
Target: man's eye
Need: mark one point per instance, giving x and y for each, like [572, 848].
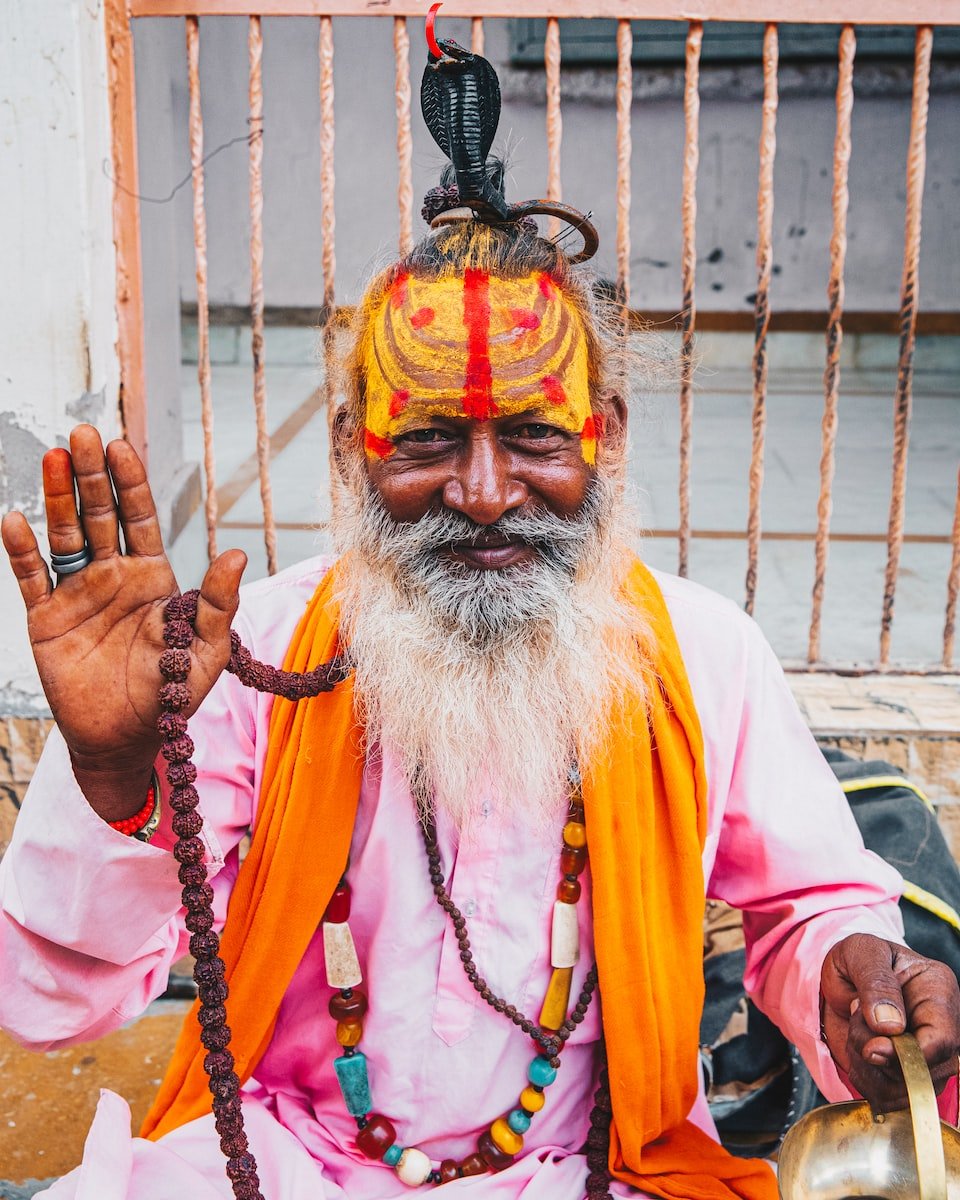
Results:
[426, 437]
[534, 431]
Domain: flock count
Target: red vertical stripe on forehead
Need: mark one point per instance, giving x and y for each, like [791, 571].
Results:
[547, 286]
[398, 290]
[478, 382]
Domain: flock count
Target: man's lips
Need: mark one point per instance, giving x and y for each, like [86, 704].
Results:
[492, 552]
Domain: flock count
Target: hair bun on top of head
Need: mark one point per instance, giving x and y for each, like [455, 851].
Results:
[460, 102]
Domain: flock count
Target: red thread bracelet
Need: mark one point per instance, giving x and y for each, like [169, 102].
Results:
[134, 824]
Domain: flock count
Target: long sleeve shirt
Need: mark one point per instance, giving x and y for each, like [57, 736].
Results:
[90, 923]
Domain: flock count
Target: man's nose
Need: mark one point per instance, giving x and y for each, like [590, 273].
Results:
[483, 486]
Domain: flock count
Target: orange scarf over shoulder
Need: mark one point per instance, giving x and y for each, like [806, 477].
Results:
[646, 812]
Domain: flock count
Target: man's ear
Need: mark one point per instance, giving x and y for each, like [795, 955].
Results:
[342, 433]
[612, 407]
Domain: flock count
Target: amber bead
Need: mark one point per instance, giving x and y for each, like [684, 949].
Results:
[347, 1008]
[505, 1138]
[575, 834]
[349, 1032]
[473, 1164]
[338, 910]
[573, 859]
[376, 1137]
[557, 1000]
[449, 1170]
[491, 1153]
[568, 890]
[531, 1099]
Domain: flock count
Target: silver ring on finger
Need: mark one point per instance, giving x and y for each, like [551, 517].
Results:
[70, 564]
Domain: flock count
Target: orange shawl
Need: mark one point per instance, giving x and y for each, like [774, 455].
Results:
[646, 806]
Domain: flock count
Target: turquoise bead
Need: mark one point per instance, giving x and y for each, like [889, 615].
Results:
[540, 1072]
[518, 1120]
[391, 1156]
[352, 1076]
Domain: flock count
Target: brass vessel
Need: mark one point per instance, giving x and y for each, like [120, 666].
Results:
[841, 1151]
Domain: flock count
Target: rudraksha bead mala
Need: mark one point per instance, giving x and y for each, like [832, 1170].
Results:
[376, 1137]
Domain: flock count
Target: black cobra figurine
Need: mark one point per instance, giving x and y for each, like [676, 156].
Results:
[460, 102]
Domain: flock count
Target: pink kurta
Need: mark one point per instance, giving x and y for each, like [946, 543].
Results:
[91, 923]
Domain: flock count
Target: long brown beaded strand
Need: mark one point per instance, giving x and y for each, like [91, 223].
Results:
[177, 748]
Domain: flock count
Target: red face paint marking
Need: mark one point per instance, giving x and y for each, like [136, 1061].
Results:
[398, 401]
[398, 290]
[553, 389]
[592, 429]
[547, 286]
[478, 382]
[524, 318]
[423, 316]
[374, 444]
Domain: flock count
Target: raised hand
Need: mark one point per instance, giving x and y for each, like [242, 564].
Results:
[873, 989]
[97, 636]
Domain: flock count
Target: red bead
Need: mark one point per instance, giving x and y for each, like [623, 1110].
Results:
[491, 1153]
[573, 859]
[449, 1170]
[135, 823]
[376, 1137]
[346, 1008]
[338, 910]
[473, 1164]
[568, 890]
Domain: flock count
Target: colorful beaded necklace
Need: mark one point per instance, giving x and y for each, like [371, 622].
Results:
[498, 1145]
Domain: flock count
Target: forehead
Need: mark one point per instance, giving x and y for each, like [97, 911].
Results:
[451, 340]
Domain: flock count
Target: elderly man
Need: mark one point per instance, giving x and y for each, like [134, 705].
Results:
[543, 757]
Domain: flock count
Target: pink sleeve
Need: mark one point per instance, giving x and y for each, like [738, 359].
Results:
[90, 919]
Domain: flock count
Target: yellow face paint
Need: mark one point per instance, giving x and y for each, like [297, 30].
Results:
[478, 347]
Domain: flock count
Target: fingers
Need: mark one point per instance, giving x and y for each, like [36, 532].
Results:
[98, 506]
[219, 597]
[138, 513]
[64, 531]
[25, 559]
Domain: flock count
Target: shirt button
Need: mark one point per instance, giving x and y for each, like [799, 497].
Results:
[469, 908]
[485, 809]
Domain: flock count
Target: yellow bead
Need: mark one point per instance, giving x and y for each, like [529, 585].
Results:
[504, 1137]
[531, 1100]
[575, 834]
[555, 1002]
[349, 1033]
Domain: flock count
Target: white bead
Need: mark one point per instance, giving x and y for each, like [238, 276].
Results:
[340, 955]
[413, 1167]
[565, 936]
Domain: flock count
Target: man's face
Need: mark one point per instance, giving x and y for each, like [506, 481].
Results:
[478, 403]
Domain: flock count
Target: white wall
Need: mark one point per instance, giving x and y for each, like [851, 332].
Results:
[57, 324]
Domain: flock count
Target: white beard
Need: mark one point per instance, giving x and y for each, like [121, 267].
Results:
[495, 679]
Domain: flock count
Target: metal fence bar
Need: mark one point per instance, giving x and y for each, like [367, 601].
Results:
[624, 147]
[476, 35]
[551, 62]
[909, 296]
[401, 51]
[688, 262]
[255, 48]
[328, 223]
[200, 252]
[126, 225]
[953, 587]
[768, 148]
[835, 293]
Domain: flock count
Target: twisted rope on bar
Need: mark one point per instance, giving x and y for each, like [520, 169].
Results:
[197, 897]
[953, 587]
[768, 147]
[624, 147]
[551, 61]
[401, 51]
[835, 294]
[255, 47]
[203, 308]
[476, 36]
[688, 261]
[328, 225]
[909, 295]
